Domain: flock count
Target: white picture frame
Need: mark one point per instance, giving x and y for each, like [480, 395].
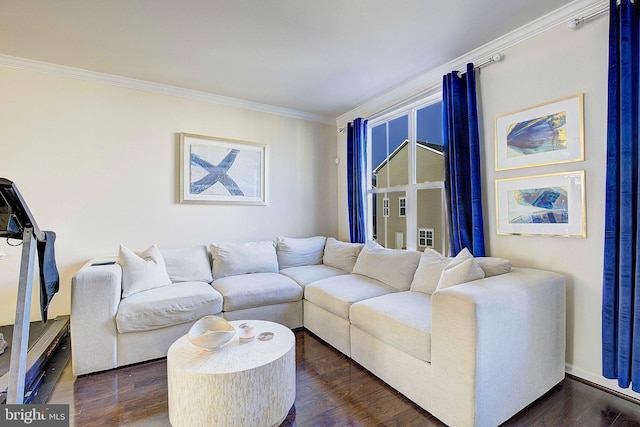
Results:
[542, 205]
[544, 134]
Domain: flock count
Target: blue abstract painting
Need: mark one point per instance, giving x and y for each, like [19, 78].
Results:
[539, 135]
[538, 205]
[219, 170]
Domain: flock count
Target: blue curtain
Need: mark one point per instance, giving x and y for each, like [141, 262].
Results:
[621, 270]
[357, 179]
[462, 163]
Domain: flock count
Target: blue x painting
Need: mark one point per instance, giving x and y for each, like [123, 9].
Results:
[216, 174]
[224, 171]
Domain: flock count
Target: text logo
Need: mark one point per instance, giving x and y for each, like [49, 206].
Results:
[35, 415]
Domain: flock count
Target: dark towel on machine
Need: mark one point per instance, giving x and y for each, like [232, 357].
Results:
[49, 277]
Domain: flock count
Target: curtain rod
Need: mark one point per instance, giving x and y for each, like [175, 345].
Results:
[572, 25]
[496, 57]
[576, 22]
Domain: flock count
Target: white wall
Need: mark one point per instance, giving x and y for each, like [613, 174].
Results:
[556, 64]
[549, 66]
[98, 165]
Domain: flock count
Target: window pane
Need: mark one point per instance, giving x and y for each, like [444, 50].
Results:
[389, 229]
[402, 206]
[431, 216]
[389, 153]
[429, 158]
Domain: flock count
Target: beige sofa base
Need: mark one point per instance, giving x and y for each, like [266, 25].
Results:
[329, 327]
[405, 373]
[288, 314]
[136, 347]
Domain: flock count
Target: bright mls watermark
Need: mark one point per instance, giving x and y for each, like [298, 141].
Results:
[34, 415]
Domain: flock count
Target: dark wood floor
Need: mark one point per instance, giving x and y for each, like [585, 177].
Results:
[332, 390]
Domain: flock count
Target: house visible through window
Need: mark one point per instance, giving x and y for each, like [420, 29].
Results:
[406, 164]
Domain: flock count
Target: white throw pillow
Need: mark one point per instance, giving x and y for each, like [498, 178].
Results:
[231, 259]
[142, 270]
[493, 266]
[188, 264]
[427, 276]
[298, 252]
[462, 269]
[342, 255]
[394, 267]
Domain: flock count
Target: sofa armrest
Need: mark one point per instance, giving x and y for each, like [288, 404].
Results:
[95, 296]
[497, 345]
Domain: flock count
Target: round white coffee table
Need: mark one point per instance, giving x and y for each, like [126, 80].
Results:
[240, 384]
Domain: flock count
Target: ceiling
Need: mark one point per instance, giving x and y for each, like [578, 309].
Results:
[323, 57]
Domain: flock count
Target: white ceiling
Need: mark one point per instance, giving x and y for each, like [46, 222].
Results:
[324, 57]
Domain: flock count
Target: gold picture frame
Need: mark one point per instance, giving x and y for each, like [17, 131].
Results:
[542, 205]
[219, 170]
[544, 134]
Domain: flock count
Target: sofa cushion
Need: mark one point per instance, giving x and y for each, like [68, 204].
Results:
[462, 269]
[188, 264]
[429, 270]
[298, 252]
[342, 255]
[400, 319]
[493, 266]
[395, 267]
[336, 294]
[142, 270]
[255, 290]
[311, 273]
[231, 259]
[167, 306]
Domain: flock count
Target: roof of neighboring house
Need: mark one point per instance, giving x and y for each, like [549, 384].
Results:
[436, 148]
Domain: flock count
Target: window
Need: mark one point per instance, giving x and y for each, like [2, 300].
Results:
[406, 165]
[425, 237]
[385, 207]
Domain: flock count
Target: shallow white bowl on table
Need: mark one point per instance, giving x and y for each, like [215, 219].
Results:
[211, 333]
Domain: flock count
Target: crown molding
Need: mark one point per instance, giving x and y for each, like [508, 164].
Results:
[113, 80]
[432, 80]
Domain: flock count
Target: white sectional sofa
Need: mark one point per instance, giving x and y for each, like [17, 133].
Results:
[471, 340]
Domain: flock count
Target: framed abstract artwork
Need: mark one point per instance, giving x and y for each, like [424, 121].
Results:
[542, 205]
[541, 135]
[217, 170]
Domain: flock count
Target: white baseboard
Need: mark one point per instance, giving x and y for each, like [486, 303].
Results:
[601, 381]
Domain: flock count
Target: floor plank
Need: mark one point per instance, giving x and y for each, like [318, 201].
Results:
[332, 390]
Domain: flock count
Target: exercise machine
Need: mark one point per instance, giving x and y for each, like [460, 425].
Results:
[17, 222]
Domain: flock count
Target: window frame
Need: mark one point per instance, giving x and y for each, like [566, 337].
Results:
[402, 207]
[385, 207]
[426, 237]
[410, 109]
